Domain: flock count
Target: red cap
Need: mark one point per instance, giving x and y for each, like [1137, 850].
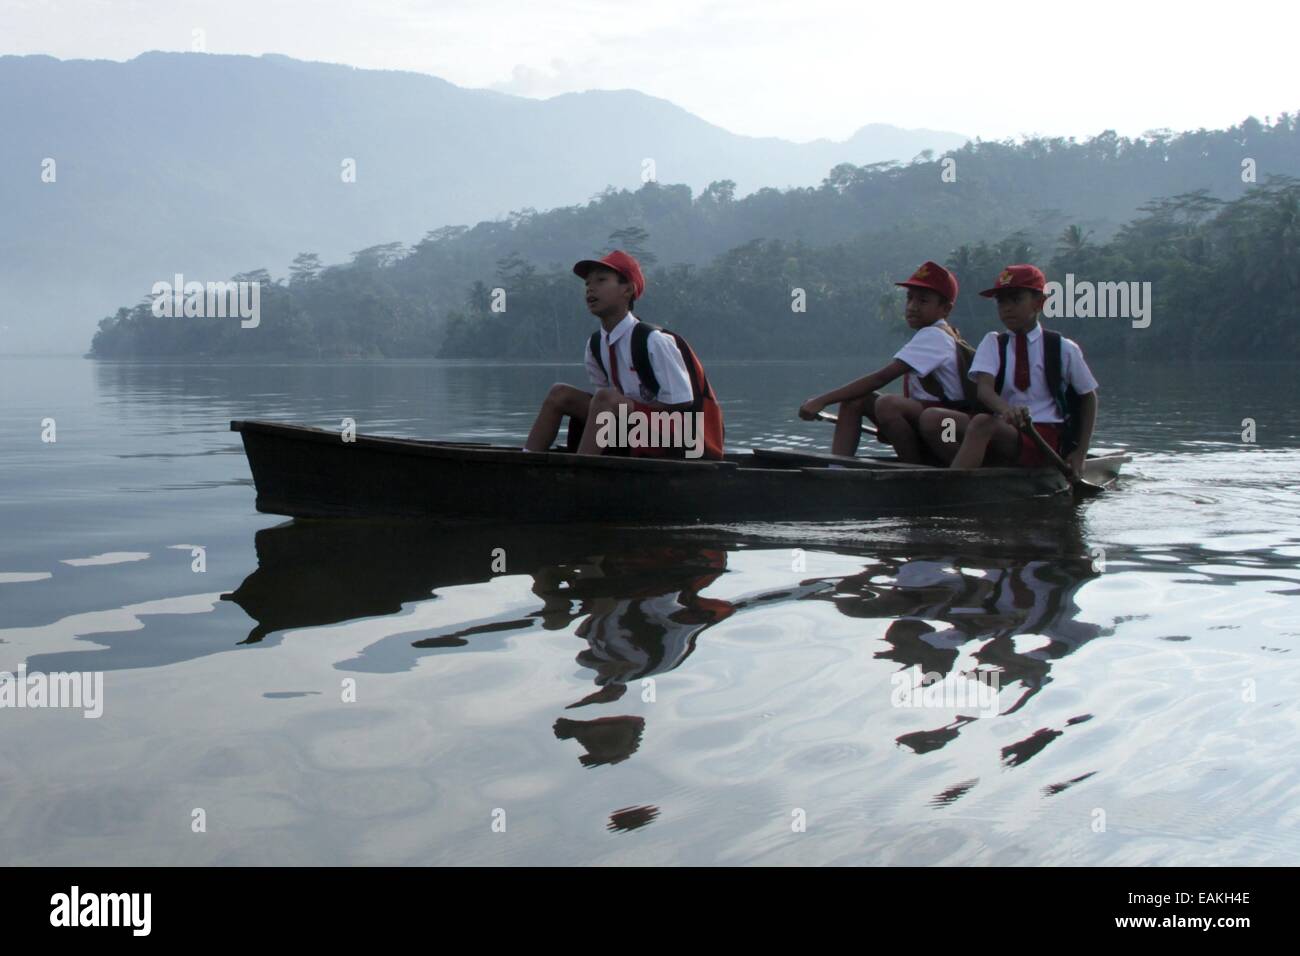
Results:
[934, 277]
[620, 262]
[1018, 277]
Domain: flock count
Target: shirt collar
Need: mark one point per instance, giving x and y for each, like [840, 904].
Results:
[1035, 333]
[623, 328]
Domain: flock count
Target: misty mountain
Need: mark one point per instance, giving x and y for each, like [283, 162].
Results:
[208, 165]
[1218, 253]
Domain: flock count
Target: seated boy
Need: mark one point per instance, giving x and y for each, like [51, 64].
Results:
[638, 371]
[930, 366]
[1024, 376]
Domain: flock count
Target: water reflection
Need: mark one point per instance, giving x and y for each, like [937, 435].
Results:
[993, 600]
[1012, 618]
[640, 614]
[639, 601]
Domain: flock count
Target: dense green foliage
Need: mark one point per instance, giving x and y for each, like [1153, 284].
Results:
[1221, 256]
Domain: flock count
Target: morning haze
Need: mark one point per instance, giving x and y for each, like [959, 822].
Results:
[211, 165]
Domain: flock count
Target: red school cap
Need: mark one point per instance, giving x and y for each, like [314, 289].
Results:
[932, 276]
[620, 262]
[1018, 277]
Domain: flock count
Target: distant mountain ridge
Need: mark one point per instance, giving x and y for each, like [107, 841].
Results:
[210, 164]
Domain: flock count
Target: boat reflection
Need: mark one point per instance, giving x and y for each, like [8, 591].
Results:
[639, 601]
[634, 595]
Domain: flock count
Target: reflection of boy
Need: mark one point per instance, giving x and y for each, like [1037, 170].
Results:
[606, 740]
[634, 638]
[1035, 597]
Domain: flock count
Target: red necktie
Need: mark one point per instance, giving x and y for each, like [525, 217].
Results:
[613, 367]
[1022, 362]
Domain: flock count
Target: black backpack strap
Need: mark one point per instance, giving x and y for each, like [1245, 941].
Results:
[700, 388]
[969, 389]
[641, 355]
[1068, 401]
[932, 385]
[1003, 339]
[594, 345]
[1052, 346]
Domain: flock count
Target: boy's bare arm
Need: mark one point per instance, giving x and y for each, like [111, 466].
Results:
[858, 388]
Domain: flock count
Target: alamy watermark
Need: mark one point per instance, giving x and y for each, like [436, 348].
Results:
[1098, 300]
[75, 908]
[638, 429]
[211, 300]
[919, 689]
[75, 690]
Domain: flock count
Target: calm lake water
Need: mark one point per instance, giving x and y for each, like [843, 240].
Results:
[693, 695]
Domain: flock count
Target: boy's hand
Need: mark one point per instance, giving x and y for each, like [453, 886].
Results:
[809, 409]
[1016, 416]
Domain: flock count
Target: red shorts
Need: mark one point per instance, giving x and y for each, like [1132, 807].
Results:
[1031, 456]
[649, 452]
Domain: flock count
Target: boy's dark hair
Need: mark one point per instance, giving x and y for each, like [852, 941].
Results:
[1015, 291]
[943, 299]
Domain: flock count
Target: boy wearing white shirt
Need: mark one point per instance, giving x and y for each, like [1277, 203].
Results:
[1026, 377]
[659, 379]
[929, 365]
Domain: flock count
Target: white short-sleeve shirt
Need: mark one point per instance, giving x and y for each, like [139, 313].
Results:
[1042, 407]
[665, 358]
[932, 350]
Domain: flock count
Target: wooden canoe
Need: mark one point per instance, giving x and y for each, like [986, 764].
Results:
[313, 473]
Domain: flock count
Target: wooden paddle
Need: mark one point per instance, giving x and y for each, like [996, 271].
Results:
[828, 417]
[1078, 484]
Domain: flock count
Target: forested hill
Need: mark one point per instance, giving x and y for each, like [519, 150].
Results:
[1180, 211]
[113, 175]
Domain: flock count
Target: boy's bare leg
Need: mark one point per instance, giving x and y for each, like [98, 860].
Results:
[561, 400]
[942, 430]
[987, 433]
[899, 420]
[605, 400]
[848, 430]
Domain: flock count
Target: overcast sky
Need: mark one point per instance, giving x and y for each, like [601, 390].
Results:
[798, 69]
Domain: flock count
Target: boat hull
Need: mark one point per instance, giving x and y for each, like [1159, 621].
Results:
[313, 473]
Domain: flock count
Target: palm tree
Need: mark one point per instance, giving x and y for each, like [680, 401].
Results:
[1073, 241]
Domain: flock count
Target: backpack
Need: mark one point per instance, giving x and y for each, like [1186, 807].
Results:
[965, 355]
[703, 398]
[1067, 400]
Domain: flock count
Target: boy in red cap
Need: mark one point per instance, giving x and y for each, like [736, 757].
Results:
[634, 367]
[931, 366]
[1041, 381]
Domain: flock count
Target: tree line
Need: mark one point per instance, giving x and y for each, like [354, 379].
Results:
[809, 272]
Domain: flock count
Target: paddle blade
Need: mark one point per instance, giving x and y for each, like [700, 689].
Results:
[1086, 489]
